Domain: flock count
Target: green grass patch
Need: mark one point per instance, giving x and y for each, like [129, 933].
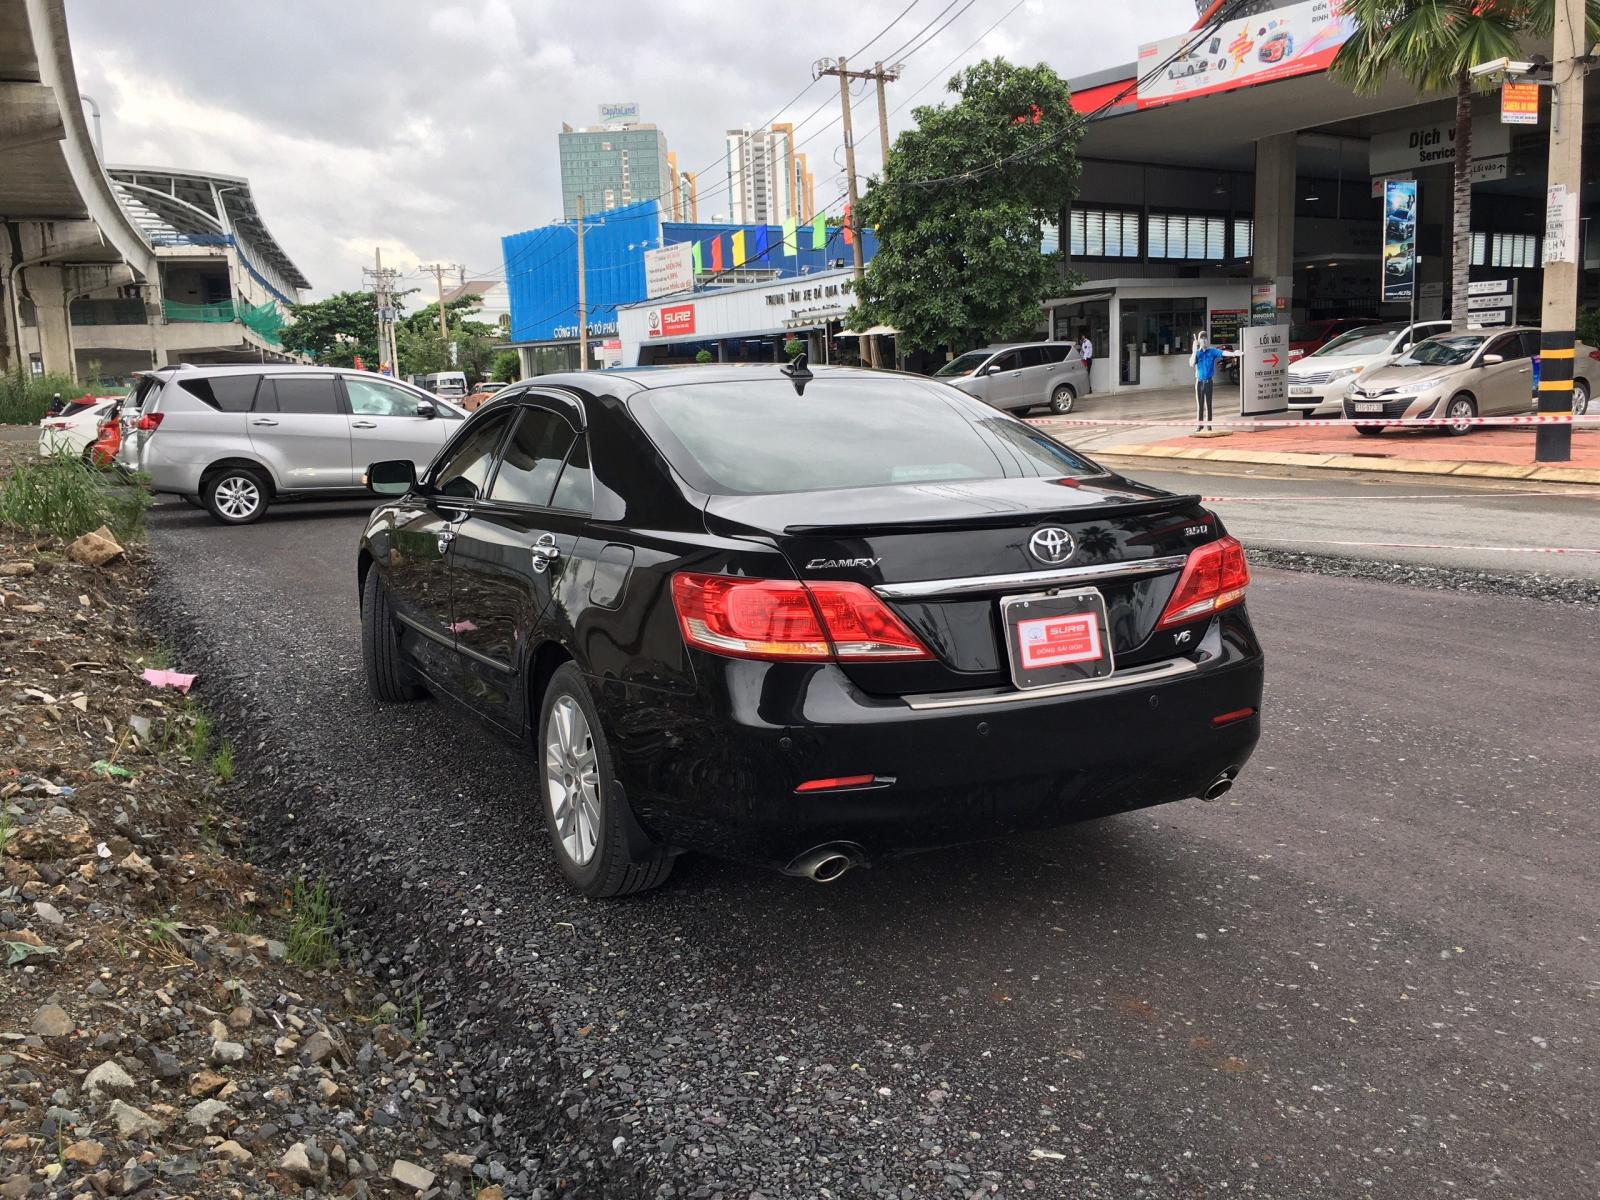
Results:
[200, 738]
[64, 497]
[313, 922]
[25, 397]
[222, 762]
[7, 826]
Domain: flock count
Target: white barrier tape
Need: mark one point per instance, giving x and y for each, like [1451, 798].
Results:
[1439, 546]
[1483, 493]
[1338, 422]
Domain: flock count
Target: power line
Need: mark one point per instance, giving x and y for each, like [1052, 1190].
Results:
[894, 55]
[941, 28]
[884, 30]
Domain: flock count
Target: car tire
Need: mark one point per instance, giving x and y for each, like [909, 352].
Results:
[1460, 406]
[1369, 430]
[235, 495]
[1580, 397]
[1062, 399]
[579, 796]
[388, 678]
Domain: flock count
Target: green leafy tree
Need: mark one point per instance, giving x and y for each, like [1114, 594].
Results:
[335, 330]
[1433, 45]
[960, 216]
[506, 367]
[423, 350]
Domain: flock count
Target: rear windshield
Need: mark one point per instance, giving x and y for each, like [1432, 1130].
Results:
[1374, 339]
[760, 437]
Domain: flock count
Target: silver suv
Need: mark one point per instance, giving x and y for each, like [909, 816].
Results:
[234, 439]
[1021, 377]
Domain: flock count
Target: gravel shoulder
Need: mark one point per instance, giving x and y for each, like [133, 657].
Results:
[1312, 988]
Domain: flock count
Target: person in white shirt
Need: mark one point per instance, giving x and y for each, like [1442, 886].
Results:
[1086, 353]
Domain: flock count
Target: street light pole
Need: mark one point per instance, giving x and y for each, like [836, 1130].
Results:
[583, 308]
[1558, 327]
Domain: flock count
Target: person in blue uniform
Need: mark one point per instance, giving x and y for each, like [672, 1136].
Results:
[1205, 357]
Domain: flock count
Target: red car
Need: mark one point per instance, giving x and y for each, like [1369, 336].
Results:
[1313, 335]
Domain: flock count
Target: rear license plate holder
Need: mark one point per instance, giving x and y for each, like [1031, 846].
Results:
[1056, 637]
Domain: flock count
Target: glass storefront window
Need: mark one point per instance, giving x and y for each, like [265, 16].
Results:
[1163, 326]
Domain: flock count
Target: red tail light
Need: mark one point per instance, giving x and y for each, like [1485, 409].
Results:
[786, 619]
[1214, 578]
[149, 423]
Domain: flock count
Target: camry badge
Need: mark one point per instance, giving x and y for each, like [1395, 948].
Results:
[1052, 545]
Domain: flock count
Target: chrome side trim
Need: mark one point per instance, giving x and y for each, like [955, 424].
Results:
[1170, 669]
[928, 588]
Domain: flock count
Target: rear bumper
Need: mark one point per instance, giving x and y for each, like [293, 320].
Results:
[717, 771]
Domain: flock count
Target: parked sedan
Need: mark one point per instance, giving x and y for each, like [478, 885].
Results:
[1310, 336]
[805, 618]
[77, 426]
[1017, 378]
[1318, 382]
[236, 439]
[1461, 375]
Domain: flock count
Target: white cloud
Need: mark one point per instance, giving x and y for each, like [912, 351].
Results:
[432, 130]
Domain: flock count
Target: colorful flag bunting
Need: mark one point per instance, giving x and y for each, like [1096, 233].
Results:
[694, 256]
[716, 255]
[738, 248]
[791, 237]
[760, 252]
[819, 231]
[849, 233]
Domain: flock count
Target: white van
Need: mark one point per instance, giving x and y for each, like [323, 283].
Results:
[452, 385]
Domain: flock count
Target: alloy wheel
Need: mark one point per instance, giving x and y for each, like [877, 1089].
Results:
[1062, 400]
[572, 782]
[238, 497]
[1580, 399]
[1458, 410]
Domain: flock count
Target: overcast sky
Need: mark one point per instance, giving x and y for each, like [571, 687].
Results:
[429, 128]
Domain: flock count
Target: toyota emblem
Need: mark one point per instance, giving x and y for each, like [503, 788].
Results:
[1052, 545]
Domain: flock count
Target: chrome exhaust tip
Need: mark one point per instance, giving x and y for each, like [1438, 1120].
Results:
[1218, 787]
[826, 863]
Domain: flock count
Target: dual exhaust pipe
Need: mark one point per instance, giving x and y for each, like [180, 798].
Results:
[827, 863]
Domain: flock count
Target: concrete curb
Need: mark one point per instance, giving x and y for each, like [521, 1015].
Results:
[1351, 462]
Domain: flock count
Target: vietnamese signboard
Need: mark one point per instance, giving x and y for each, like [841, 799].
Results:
[1400, 151]
[674, 320]
[1491, 303]
[668, 270]
[1225, 324]
[1264, 371]
[1560, 226]
[1519, 103]
[1297, 39]
[1399, 240]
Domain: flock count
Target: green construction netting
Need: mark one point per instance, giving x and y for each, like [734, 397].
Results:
[264, 319]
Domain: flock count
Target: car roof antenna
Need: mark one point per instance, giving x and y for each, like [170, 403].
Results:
[799, 370]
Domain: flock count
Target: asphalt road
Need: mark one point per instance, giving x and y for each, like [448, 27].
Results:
[1372, 970]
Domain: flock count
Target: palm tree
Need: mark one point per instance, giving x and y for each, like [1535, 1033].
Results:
[1433, 44]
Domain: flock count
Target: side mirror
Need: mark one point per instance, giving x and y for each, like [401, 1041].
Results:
[392, 477]
[991, 369]
[1490, 360]
[426, 408]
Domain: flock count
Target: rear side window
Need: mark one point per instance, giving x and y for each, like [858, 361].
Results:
[760, 437]
[304, 395]
[575, 489]
[532, 459]
[225, 393]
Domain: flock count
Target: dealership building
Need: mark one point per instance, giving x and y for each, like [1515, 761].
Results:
[1228, 162]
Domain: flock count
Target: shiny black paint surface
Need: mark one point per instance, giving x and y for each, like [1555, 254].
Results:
[710, 749]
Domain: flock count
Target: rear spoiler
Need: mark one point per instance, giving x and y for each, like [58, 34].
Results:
[1124, 508]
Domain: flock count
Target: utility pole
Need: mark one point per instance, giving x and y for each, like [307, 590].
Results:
[1558, 328]
[882, 76]
[383, 287]
[439, 270]
[841, 68]
[583, 310]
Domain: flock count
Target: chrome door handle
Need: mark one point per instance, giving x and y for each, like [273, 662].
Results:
[263, 421]
[363, 424]
[544, 551]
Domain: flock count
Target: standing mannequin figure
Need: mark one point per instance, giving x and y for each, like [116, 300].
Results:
[1205, 357]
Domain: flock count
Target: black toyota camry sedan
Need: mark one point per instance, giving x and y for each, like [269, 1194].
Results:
[808, 618]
